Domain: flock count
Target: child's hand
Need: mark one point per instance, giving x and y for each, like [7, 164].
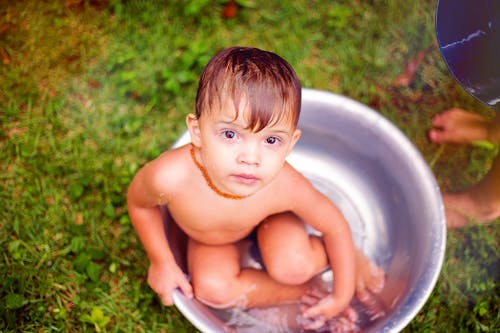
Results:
[163, 279]
[319, 310]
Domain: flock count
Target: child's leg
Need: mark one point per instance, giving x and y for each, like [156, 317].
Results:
[293, 256]
[290, 254]
[219, 281]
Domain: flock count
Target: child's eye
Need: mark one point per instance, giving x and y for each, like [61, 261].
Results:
[272, 140]
[228, 134]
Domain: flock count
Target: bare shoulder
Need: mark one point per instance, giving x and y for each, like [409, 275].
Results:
[289, 176]
[170, 169]
[301, 197]
[294, 185]
[159, 179]
[170, 165]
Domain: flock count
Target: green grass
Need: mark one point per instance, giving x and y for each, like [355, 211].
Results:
[89, 92]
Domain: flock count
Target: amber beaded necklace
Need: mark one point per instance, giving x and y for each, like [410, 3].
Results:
[209, 181]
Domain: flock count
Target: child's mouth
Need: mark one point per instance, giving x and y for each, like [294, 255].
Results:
[246, 178]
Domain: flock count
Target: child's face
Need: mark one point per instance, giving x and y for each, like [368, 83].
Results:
[237, 160]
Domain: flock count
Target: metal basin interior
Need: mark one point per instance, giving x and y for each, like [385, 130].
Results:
[387, 193]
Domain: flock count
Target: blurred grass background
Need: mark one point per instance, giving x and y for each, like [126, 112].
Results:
[91, 90]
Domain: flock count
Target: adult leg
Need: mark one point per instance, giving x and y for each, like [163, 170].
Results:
[481, 202]
[458, 126]
[219, 281]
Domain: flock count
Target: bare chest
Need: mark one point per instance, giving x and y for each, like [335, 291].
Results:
[214, 223]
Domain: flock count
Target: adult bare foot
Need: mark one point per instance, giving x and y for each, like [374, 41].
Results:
[458, 126]
[466, 208]
[481, 202]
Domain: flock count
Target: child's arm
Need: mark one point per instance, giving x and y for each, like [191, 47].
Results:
[142, 201]
[320, 213]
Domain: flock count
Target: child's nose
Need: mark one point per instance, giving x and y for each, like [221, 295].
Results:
[249, 154]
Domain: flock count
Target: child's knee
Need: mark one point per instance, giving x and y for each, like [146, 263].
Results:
[215, 292]
[293, 270]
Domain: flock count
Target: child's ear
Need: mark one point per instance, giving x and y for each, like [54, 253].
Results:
[193, 125]
[295, 137]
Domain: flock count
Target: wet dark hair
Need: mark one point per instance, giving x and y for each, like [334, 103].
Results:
[267, 81]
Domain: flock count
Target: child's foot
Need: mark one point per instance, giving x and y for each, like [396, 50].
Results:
[464, 208]
[346, 321]
[370, 280]
[369, 277]
[458, 126]
[373, 307]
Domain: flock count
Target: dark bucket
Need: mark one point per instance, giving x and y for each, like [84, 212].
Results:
[468, 34]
